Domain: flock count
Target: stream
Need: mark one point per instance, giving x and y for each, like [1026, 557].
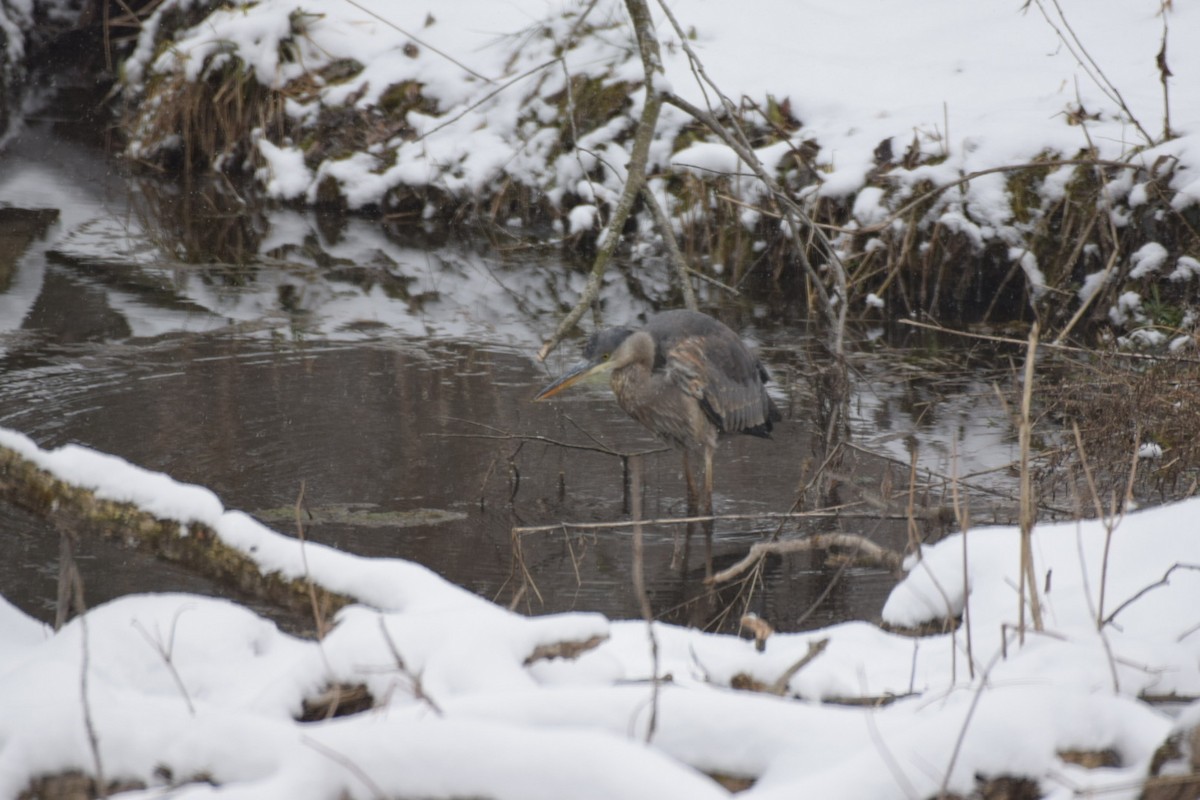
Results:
[381, 371]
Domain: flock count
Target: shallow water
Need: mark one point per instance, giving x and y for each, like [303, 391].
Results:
[388, 373]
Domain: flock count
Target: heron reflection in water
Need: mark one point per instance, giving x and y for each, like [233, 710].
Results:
[685, 376]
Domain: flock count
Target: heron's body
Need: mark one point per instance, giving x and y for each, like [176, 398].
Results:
[686, 377]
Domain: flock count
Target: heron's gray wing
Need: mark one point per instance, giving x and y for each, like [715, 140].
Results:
[725, 379]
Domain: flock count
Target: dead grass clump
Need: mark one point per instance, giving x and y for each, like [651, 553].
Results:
[1122, 406]
[73, 785]
[189, 126]
[1072, 220]
[1092, 759]
[1174, 772]
[1003, 787]
[337, 700]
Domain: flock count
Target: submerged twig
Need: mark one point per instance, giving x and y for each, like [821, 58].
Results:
[832, 513]
[867, 552]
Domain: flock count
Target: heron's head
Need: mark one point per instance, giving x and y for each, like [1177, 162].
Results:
[598, 358]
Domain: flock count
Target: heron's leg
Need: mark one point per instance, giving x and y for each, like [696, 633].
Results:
[679, 557]
[707, 509]
[708, 481]
[693, 501]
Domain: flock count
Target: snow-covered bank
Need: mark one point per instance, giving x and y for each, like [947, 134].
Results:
[525, 109]
[196, 697]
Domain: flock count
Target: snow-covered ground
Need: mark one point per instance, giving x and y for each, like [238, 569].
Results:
[196, 697]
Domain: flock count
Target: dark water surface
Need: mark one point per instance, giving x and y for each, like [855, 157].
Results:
[389, 372]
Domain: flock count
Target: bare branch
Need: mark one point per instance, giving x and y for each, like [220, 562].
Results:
[1028, 514]
[636, 177]
[414, 679]
[1163, 581]
[868, 553]
[814, 649]
[676, 256]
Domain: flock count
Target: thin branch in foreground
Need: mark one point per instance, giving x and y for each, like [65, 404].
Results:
[1163, 581]
[1083, 571]
[814, 649]
[639, 589]
[165, 652]
[962, 733]
[414, 679]
[1028, 578]
[70, 595]
[318, 617]
[349, 765]
[963, 515]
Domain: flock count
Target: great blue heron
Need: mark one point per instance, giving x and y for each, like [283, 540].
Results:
[685, 376]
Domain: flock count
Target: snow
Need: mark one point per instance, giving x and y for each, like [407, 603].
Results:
[286, 176]
[1147, 259]
[1031, 82]
[183, 686]
[998, 96]
[196, 697]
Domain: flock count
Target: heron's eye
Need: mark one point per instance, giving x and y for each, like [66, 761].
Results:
[604, 357]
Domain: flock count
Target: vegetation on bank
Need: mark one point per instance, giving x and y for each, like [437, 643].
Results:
[1084, 238]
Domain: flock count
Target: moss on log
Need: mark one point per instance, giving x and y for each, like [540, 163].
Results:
[192, 545]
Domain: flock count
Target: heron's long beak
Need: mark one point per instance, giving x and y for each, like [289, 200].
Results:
[581, 370]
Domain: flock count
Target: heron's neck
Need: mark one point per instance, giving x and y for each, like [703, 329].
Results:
[631, 375]
[636, 354]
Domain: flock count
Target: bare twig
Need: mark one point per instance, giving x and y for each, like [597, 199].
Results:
[869, 553]
[963, 515]
[414, 679]
[830, 513]
[1163, 581]
[1083, 569]
[962, 733]
[529, 437]
[422, 43]
[643, 27]
[1077, 49]
[165, 651]
[814, 649]
[70, 595]
[1115, 255]
[834, 309]
[318, 617]
[348, 764]
[1028, 579]
[1066, 348]
[639, 589]
[682, 271]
